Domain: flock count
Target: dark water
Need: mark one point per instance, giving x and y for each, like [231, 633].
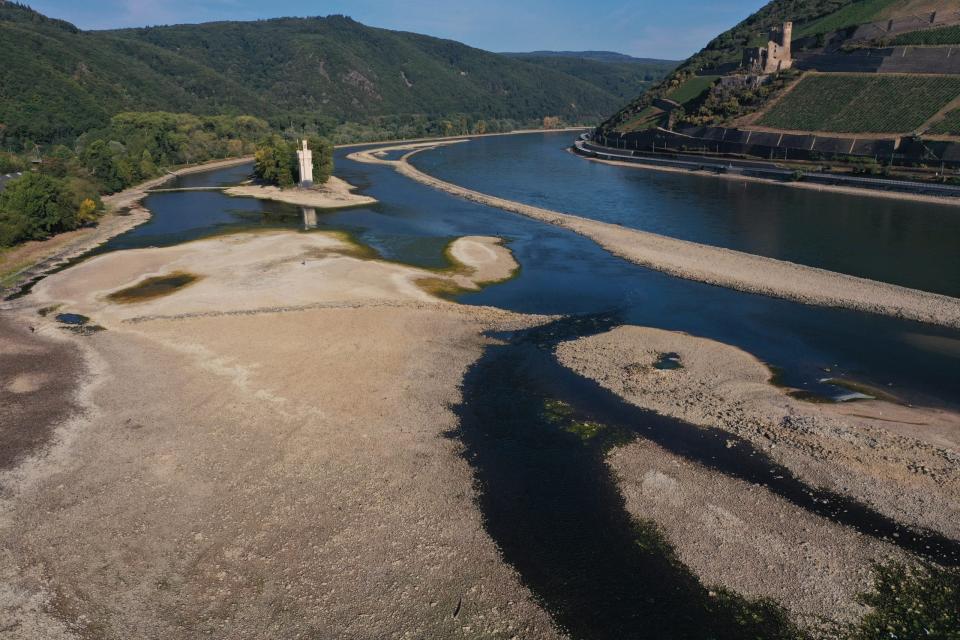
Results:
[535, 434]
[906, 243]
[72, 319]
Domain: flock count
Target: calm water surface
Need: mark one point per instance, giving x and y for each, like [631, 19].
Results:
[906, 243]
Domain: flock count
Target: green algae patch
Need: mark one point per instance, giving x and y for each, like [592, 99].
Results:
[353, 248]
[590, 432]
[155, 287]
[919, 601]
[444, 288]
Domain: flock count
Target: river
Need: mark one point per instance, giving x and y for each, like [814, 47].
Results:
[563, 273]
[548, 499]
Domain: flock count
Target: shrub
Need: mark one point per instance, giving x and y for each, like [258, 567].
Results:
[36, 206]
[10, 163]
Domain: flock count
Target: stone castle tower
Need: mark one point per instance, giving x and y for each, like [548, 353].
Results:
[305, 160]
[776, 56]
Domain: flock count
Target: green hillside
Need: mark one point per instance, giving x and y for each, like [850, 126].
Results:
[862, 103]
[59, 81]
[941, 36]
[810, 17]
[950, 125]
[616, 74]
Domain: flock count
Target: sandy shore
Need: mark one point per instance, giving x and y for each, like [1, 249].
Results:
[730, 531]
[714, 265]
[334, 194]
[261, 453]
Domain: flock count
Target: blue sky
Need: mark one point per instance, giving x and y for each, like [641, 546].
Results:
[648, 28]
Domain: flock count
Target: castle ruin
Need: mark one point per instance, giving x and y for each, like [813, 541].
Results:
[775, 57]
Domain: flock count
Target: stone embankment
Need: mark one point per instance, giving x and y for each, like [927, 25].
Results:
[713, 265]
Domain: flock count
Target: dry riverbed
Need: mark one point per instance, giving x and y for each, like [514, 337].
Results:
[253, 441]
[259, 453]
[740, 535]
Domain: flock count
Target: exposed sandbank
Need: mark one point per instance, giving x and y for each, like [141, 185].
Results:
[714, 265]
[262, 455]
[736, 534]
[334, 194]
[861, 449]
[252, 271]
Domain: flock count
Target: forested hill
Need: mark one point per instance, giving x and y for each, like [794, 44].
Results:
[616, 73]
[59, 81]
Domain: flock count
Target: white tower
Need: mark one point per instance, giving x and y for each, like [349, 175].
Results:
[305, 156]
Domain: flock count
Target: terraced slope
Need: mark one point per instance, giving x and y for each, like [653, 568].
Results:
[949, 126]
[815, 22]
[862, 103]
[941, 36]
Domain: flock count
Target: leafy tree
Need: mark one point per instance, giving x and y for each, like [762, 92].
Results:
[322, 158]
[10, 163]
[147, 165]
[99, 159]
[275, 162]
[37, 205]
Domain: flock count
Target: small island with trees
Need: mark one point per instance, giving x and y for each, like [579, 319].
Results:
[302, 175]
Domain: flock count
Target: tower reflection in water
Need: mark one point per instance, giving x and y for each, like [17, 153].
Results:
[309, 217]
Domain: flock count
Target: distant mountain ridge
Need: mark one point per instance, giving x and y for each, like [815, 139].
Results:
[616, 73]
[599, 56]
[59, 81]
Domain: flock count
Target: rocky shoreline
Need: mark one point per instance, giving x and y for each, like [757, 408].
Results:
[740, 535]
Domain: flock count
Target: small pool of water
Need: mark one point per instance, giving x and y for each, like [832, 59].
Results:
[668, 361]
[74, 319]
[155, 287]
